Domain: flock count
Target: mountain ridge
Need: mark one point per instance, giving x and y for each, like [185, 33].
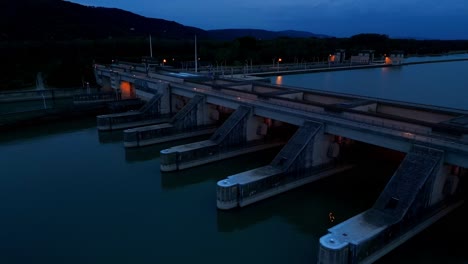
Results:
[64, 20]
[233, 33]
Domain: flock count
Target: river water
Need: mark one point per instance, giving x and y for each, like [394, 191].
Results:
[69, 194]
[439, 84]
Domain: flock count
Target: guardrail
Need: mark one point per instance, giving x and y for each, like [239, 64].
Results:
[392, 129]
[94, 97]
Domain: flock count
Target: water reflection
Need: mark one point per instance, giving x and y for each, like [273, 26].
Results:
[44, 128]
[308, 207]
[107, 137]
[142, 154]
[152, 151]
[217, 170]
[421, 83]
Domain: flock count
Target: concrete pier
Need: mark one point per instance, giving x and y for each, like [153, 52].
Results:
[308, 156]
[421, 191]
[194, 119]
[238, 135]
[146, 115]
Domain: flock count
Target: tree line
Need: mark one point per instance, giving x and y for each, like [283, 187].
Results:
[69, 63]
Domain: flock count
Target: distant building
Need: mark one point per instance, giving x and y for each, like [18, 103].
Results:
[337, 57]
[396, 57]
[364, 57]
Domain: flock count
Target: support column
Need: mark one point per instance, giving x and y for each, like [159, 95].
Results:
[420, 192]
[304, 159]
[192, 120]
[235, 137]
[146, 115]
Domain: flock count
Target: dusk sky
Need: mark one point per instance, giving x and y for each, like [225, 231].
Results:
[341, 18]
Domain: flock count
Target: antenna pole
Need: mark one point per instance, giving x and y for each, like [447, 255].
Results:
[151, 47]
[196, 56]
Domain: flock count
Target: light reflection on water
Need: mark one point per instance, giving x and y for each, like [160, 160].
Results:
[440, 84]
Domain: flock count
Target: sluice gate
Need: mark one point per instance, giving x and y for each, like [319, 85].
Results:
[305, 158]
[147, 114]
[420, 192]
[190, 121]
[229, 140]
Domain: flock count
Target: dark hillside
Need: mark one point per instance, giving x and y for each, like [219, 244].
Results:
[62, 20]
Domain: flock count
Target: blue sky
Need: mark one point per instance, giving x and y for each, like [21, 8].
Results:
[446, 19]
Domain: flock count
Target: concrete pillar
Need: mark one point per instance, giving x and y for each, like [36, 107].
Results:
[302, 160]
[418, 194]
[105, 82]
[235, 137]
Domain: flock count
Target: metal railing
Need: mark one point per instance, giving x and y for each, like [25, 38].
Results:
[411, 134]
[424, 134]
[94, 97]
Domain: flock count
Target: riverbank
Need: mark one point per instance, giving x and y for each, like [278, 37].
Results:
[339, 68]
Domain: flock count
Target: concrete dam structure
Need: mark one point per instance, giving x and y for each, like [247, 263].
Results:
[317, 132]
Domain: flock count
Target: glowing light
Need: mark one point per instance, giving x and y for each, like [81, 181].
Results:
[279, 80]
[388, 60]
[126, 90]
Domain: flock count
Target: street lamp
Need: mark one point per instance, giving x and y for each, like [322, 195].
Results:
[279, 60]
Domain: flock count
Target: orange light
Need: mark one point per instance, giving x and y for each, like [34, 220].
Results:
[164, 61]
[126, 89]
[279, 80]
[279, 60]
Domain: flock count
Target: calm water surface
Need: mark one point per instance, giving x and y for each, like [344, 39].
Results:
[440, 84]
[71, 195]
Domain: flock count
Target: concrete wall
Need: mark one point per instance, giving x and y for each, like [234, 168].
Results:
[206, 114]
[321, 144]
[405, 127]
[246, 87]
[144, 95]
[115, 80]
[240, 95]
[371, 108]
[293, 96]
[323, 99]
[296, 105]
[178, 102]
[413, 113]
[165, 90]
[441, 177]
[253, 123]
[105, 82]
[261, 89]
[165, 78]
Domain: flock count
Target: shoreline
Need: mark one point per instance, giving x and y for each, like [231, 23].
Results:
[344, 68]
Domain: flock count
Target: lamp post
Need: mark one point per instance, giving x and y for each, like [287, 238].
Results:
[279, 60]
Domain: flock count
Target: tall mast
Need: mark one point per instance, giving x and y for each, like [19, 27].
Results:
[196, 56]
[151, 47]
